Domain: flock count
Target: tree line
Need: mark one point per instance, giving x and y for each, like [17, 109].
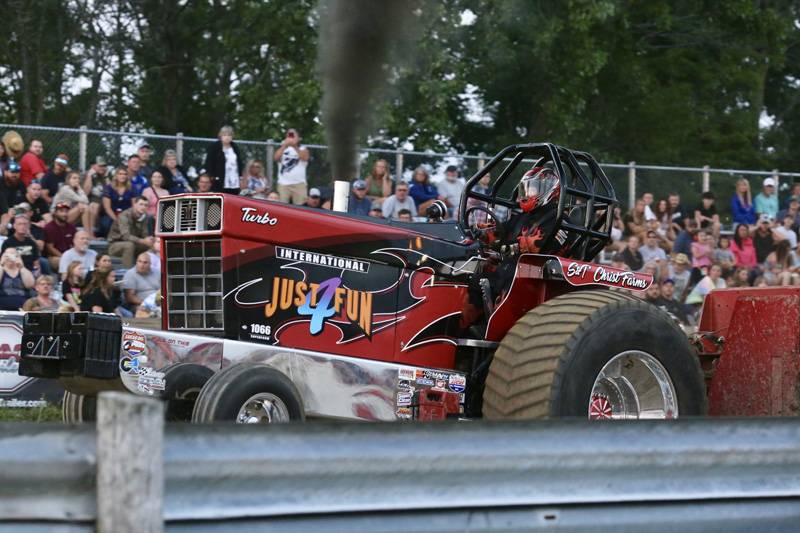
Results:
[662, 81]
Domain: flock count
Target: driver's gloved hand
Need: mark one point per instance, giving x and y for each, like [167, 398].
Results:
[486, 232]
[509, 250]
[530, 241]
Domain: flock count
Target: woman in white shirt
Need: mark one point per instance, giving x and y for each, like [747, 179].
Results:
[224, 163]
[255, 183]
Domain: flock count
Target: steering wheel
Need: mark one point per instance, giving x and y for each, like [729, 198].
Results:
[482, 233]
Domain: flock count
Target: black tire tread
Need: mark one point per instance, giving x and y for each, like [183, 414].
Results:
[214, 389]
[219, 385]
[73, 408]
[526, 364]
[171, 373]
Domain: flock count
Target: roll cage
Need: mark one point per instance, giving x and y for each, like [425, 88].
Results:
[585, 206]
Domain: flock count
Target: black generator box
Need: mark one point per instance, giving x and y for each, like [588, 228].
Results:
[70, 344]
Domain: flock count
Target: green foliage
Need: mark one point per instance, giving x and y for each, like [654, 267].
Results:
[661, 81]
[247, 63]
[46, 413]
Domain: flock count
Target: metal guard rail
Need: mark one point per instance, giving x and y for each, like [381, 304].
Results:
[715, 472]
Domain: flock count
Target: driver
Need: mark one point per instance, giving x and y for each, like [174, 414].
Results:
[525, 232]
[528, 231]
[538, 193]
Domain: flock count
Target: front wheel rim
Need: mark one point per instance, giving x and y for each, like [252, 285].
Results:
[263, 408]
[633, 385]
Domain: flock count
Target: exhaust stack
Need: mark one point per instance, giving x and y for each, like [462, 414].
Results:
[341, 195]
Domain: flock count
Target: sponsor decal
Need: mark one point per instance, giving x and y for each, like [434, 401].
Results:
[127, 366]
[10, 380]
[405, 386]
[404, 398]
[432, 374]
[425, 382]
[133, 365]
[9, 359]
[457, 383]
[440, 384]
[407, 374]
[339, 263]
[150, 380]
[321, 301]
[579, 273]
[251, 214]
[404, 413]
[133, 343]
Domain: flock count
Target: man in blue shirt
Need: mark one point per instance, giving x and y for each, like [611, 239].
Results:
[766, 202]
[138, 180]
[359, 203]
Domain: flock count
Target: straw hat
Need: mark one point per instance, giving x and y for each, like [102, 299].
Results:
[14, 144]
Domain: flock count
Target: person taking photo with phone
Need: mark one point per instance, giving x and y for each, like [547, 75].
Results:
[292, 161]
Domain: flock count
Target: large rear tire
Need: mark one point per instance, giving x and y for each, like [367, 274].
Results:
[78, 409]
[248, 393]
[595, 354]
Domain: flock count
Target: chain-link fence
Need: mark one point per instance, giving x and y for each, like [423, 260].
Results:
[84, 145]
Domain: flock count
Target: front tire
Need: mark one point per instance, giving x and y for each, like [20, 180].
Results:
[594, 354]
[183, 383]
[78, 409]
[248, 393]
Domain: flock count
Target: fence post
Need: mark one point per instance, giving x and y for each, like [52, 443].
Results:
[481, 160]
[269, 163]
[130, 463]
[179, 147]
[398, 163]
[706, 179]
[82, 146]
[631, 184]
[777, 177]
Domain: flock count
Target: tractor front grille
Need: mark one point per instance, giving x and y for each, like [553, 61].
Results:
[194, 284]
[188, 211]
[190, 215]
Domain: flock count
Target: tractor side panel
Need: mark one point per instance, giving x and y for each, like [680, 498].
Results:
[320, 281]
[432, 311]
[526, 290]
[310, 299]
[757, 373]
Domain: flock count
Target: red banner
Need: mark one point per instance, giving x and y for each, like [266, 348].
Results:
[580, 273]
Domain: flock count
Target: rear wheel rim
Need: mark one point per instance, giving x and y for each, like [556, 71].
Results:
[633, 385]
[263, 408]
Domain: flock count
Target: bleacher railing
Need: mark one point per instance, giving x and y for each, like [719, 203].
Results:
[630, 180]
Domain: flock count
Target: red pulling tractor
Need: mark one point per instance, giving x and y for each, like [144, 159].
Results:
[274, 312]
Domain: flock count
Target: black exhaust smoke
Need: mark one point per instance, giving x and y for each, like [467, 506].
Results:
[355, 41]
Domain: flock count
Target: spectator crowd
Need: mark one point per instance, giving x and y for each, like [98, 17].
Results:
[50, 213]
[689, 254]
